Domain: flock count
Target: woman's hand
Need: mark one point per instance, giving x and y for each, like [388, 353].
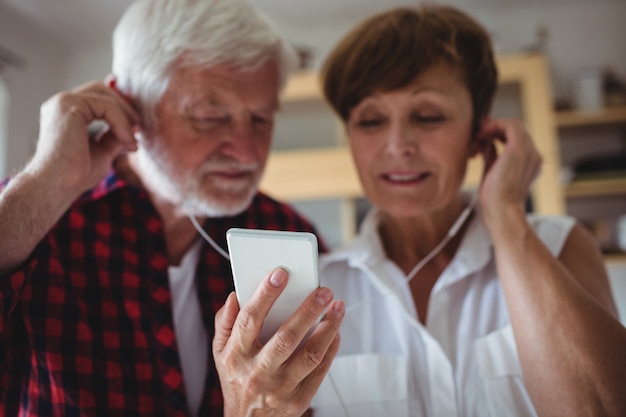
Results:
[507, 176]
[280, 377]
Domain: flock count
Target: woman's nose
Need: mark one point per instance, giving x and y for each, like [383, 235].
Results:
[401, 140]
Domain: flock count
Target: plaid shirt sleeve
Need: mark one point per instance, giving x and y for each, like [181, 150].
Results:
[11, 285]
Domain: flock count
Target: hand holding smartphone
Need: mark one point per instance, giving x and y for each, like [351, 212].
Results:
[254, 253]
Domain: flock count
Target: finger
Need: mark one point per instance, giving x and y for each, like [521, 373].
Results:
[120, 100]
[288, 337]
[106, 104]
[113, 140]
[492, 130]
[312, 354]
[107, 147]
[301, 397]
[309, 386]
[106, 107]
[490, 155]
[224, 322]
[111, 83]
[252, 314]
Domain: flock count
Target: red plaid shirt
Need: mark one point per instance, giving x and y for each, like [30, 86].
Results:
[86, 324]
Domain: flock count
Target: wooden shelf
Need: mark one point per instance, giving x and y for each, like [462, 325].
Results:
[618, 258]
[311, 174]
[575, 118]
[302, 86]
[324, 173]
[596, 187]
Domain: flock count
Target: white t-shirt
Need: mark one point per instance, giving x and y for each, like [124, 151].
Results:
[191, 336]
[464, 362]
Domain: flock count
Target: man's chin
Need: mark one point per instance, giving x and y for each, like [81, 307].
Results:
[218, 206]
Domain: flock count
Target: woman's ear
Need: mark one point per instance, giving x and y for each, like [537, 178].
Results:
[478, 140]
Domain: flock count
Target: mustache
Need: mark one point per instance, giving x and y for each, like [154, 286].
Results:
[225, 163]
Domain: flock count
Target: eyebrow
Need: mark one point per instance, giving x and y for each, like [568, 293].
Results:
[214, 100]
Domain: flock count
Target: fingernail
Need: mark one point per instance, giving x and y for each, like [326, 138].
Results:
[339, 309]
[323, 296]
[278, 277]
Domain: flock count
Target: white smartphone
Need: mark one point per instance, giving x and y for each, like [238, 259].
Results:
[254, 253]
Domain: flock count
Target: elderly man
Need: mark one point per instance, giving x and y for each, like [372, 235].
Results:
[108, 297]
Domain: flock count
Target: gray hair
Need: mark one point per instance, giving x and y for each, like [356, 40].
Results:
[154, 35]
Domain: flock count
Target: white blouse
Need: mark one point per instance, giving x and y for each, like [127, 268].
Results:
[464, 362]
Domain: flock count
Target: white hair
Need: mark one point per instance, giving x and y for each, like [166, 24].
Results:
[154, 35]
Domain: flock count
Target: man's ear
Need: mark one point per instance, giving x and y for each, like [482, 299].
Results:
[111, 81]
[478, 139]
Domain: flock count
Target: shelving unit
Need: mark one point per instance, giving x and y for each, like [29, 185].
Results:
[577, 118]
[596, 187]
[608, 186]
[619, 258]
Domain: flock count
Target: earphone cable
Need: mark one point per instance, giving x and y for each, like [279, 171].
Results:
[207, 237]
[456, 226]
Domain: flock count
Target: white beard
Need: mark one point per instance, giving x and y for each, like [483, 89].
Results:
[191, 190]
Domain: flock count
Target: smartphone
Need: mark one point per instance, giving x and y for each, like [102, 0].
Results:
[254, 253]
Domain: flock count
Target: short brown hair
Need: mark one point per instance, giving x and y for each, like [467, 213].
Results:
[387, 51]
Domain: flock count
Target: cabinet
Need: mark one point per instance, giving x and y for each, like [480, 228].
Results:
[328, 172]
[603, 196]
[585, 119]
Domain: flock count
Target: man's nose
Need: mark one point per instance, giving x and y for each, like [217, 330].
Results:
[239, 142]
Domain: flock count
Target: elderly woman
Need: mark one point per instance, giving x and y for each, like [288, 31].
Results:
[457, 304]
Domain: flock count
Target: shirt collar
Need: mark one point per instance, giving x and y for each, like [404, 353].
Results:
[109, 184]
[366, 249]
[474, 253]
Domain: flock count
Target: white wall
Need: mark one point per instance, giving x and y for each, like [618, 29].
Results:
[88, 64]
[27, 87]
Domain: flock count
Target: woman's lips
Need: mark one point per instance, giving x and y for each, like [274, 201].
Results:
[411, 178]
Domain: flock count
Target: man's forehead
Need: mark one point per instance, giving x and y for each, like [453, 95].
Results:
[225, 85]
[220, 97]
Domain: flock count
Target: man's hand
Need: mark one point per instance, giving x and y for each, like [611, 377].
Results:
[281, 377]
[64, 150]
[67, 163]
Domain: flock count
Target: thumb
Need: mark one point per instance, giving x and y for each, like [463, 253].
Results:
[224, 322]
[107, 146]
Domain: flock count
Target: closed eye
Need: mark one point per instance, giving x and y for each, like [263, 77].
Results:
[369, 123]
[208, 123]
[429, 119]
[260, 120]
